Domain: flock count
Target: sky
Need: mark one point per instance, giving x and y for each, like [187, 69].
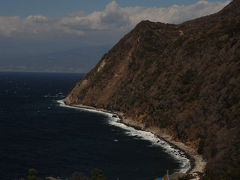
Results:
[72, 35]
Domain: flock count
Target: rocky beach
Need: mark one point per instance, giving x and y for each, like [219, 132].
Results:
[196, 161]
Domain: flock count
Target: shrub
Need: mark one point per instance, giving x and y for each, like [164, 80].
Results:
[79, 176]
[32, 174]
[201, 146]
[188, 76]
[97, 174]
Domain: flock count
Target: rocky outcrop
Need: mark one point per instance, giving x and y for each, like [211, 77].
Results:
[182, 78]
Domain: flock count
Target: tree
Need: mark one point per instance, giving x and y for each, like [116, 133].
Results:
[32, 174]
[79, 176]
[97, 174]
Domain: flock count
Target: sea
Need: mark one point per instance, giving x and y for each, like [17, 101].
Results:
[37, 130]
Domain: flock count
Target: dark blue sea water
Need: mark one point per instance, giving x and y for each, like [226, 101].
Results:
[35, 132]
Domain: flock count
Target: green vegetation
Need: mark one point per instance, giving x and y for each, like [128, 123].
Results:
[97, 174]
[32, 174]
[79, 176]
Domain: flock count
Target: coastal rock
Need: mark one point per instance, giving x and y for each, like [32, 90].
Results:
[183, 79]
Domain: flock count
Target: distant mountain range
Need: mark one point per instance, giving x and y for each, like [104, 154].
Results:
[79, 60]
[183, 79]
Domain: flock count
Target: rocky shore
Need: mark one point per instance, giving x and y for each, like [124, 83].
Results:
[198, 164]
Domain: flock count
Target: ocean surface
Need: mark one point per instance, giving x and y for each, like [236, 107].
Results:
[38, 131]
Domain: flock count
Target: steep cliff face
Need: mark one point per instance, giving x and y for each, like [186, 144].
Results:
[184, 78]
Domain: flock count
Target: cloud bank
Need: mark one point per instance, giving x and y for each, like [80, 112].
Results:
[113, 19]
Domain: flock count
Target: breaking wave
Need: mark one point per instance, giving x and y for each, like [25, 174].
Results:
[177, 154]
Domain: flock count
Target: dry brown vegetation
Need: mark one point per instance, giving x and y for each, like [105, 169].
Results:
[187, 83]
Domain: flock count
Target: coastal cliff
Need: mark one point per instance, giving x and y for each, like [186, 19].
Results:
[182, 79]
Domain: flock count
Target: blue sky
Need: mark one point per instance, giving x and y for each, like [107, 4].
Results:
[59, 35]
[55, 8]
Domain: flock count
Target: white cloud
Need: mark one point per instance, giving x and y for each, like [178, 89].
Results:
[174, 14]
[32, 25]
[37, 19]
[112, 18]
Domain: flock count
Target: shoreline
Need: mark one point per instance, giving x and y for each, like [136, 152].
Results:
[197, 163]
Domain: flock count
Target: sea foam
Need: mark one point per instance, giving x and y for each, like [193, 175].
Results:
[177, 154]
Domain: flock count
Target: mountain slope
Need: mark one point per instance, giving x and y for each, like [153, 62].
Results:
[182, 78]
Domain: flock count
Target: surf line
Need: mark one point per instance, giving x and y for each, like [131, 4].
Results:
[179, 155]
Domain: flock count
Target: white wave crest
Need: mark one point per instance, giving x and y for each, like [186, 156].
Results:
[177, 154]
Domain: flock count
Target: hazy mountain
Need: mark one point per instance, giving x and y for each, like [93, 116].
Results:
[75, 60]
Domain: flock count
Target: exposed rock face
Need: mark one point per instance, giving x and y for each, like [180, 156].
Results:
[184, 78]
